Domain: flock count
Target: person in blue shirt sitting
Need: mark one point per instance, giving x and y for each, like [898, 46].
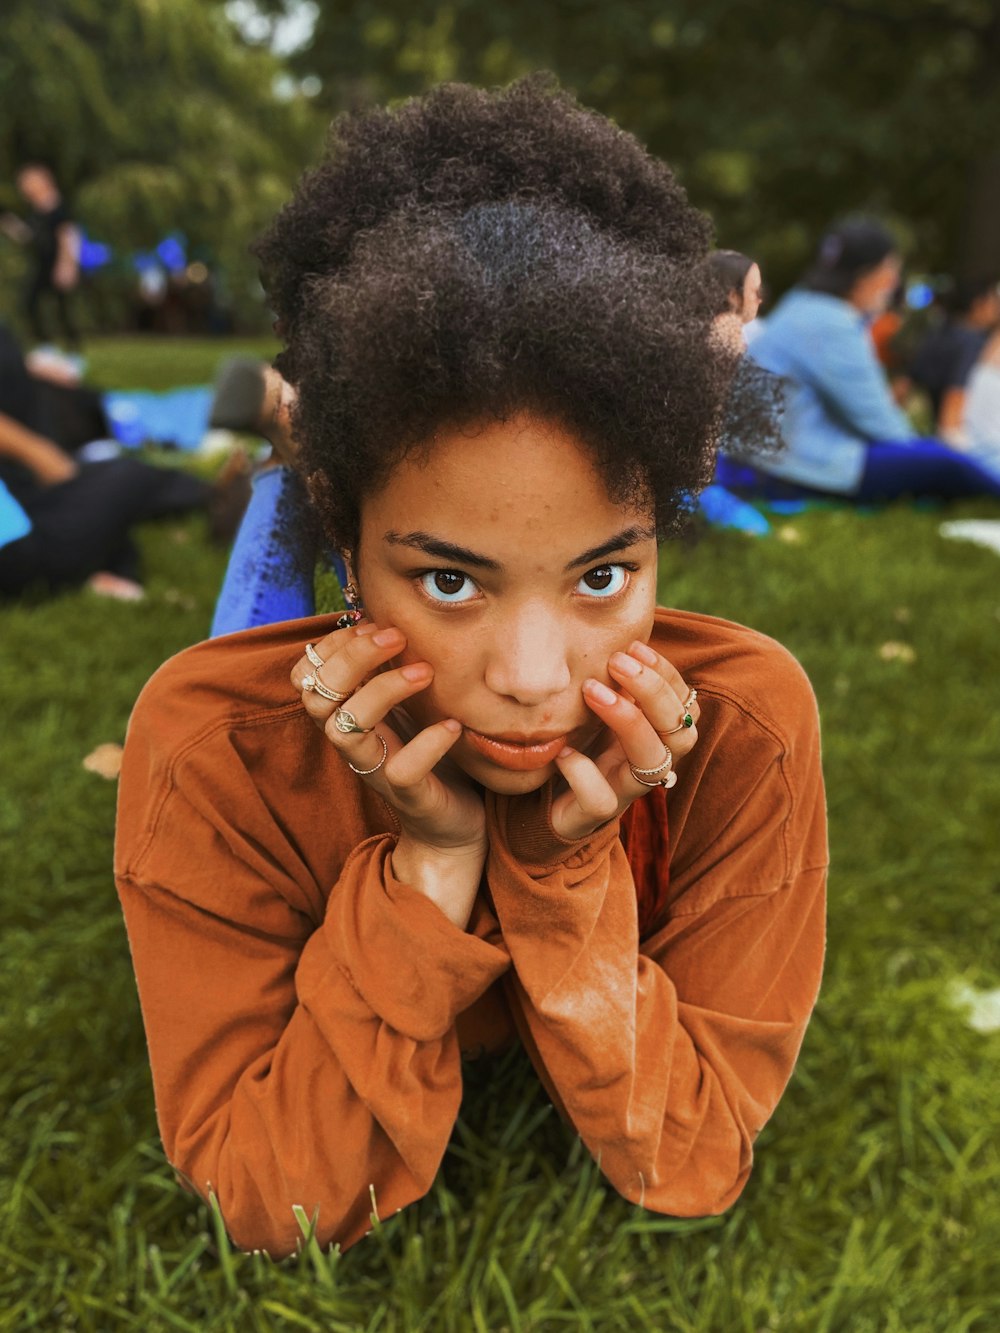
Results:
[843, 433]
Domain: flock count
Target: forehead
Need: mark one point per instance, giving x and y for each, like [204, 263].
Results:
[521, 486]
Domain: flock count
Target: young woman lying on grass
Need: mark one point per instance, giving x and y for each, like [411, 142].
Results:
[492, 808]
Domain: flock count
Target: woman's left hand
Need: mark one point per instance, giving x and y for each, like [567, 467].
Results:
[643, 724]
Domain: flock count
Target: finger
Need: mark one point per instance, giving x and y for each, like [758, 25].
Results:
[648, 655]
[413, 764]
[372, 701]
[349, 656]
[658, 699]
[633, 730]
[595, 797]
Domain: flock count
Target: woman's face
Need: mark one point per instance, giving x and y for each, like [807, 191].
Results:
[501, 558]
[752, 294]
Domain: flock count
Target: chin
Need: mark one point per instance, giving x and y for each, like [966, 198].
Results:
[503, 781]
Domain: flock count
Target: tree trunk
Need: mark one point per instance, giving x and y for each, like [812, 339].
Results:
[979, 255]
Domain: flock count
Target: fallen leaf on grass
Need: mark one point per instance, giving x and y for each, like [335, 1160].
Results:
[894, 651]
[105, 761]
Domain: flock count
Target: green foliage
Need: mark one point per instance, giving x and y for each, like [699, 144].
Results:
[873, 1207]
[155, 117]
[778, 117]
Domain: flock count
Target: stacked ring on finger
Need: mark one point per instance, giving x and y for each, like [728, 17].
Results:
[666, 768]
[314, 656]
[347, 724]
[686, 719]
[313, 682]
[324, 692]
[367, 772]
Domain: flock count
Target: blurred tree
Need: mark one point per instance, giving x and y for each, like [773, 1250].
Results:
[155, 116]
[777, 116]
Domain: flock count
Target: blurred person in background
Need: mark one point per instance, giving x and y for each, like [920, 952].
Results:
[981, 417]
[843, 432]
[740, 293]
[54, 242]
[65, 521]
[947, 354]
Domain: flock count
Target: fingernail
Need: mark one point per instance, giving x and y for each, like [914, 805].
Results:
[600, 693]
[628, 666]
[565, 752]
[365, 628]
[417, 671]
[386, 638]
[644, 653]
[451, 725]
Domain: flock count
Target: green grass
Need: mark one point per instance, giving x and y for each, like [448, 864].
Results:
[874, 1205]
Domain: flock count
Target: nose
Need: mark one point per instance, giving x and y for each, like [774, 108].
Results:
[529, 656]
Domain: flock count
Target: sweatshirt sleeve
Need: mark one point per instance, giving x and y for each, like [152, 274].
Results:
[669, 1055]
[295, 1060]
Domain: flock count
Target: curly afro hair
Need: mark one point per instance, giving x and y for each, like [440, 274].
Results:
[473, 254]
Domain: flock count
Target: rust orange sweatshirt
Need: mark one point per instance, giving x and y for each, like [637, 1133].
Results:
[306, 1012]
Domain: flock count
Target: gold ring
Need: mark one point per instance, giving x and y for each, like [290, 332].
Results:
[324, 692]
[366, 772]
[347, 724]
[686, 719]
[667, 767]
[314, 656]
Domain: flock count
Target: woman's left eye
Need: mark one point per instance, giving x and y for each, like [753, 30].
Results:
[604, 581]
[448, 585]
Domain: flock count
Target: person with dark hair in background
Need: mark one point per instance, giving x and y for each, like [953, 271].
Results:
[944, 360]
[740, 284]
[844, 434]
[54, 241]
[353, 850]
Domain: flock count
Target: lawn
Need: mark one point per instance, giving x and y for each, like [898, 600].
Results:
[874, 1205]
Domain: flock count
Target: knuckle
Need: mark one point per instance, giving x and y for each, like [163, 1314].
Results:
[398, 775]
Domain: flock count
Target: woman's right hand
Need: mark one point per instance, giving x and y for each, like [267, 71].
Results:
[442, 844]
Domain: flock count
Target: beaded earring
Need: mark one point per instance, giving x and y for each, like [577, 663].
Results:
[355, 611]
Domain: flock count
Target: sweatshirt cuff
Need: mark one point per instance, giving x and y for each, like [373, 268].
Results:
[524, 824]
[415, 969]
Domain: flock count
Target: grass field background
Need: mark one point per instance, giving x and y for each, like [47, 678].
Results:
[874, 1205]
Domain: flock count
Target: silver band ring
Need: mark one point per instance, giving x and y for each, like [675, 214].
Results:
[324, 692]
[642, 774]
[314, 656]
[367, 772]
[347, 724]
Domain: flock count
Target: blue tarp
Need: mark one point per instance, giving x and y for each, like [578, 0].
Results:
[178, 417]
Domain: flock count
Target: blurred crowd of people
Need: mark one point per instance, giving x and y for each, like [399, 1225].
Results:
[844, 428]
[837, 351]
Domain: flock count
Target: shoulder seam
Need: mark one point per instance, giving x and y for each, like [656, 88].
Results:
[206, 733]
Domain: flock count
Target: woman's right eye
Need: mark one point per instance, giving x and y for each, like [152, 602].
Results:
[448, 585]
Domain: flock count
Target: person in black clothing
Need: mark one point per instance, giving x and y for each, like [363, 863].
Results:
[54, 241]
[81, 513]
[944, 361]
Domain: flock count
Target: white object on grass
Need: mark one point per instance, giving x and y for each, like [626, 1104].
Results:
[982, 531]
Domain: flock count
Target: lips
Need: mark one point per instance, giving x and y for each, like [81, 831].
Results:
[518, 752]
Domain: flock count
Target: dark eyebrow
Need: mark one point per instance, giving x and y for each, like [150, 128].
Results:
[423, 541]
[461, 555]
[621, 541]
